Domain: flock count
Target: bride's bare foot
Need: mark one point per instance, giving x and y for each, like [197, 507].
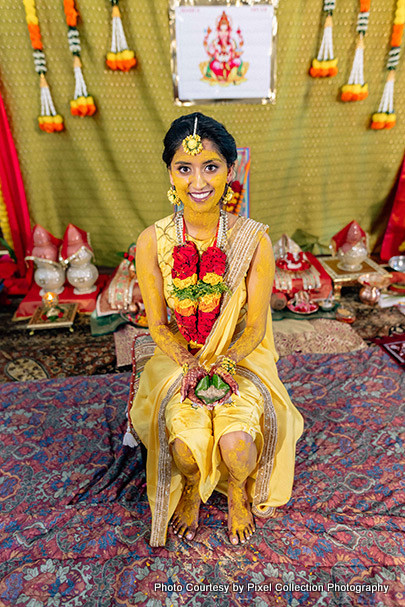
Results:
[240, 518]
[185, 517]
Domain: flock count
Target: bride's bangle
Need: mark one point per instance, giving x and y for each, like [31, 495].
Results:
[185, 368]
[227, 364]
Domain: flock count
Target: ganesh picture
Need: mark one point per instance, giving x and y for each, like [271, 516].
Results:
[224, 49]
[223, 52]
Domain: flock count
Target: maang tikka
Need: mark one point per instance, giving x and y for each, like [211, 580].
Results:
[192, 144]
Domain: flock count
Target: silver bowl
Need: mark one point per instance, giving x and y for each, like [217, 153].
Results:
[397, 263]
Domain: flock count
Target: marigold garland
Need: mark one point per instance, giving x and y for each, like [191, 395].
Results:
[4, 221]
[49, 120]
[82, 104]
[325, 64]
[356, 89]
[120, 57]
[198, 285]
[385, 118]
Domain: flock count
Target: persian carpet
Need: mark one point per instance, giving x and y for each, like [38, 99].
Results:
[52, 352]
[372, 321]
[75, 521]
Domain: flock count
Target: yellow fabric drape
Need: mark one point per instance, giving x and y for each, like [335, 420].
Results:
[315, 164]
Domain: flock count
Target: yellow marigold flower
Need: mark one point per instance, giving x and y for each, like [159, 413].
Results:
[208, 307]
[185, 282]
[185, 307]
[209, 302]
[212, 279]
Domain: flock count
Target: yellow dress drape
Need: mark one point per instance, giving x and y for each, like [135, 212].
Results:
[259, 385]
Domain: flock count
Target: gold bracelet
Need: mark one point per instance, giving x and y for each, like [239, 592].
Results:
[228, 365]
[185, 368]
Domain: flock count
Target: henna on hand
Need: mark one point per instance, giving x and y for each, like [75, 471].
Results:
[189, 382]
[196, 401]
[227, 377]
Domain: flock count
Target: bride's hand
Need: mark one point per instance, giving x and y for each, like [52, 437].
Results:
[227, 377]
[189, 383]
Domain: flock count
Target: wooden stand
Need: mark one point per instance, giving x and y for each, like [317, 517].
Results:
[58, 316]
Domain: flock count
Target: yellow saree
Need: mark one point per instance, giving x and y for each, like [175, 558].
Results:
[280, 426]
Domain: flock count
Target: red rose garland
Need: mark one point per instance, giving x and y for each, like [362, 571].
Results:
[197, 290]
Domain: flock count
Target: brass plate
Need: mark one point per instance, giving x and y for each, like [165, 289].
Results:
[331, 265]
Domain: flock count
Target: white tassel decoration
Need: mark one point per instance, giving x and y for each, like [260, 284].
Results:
[129, 439]
[49, 120]
[356, 89]
[385, 118]
[325, 64]
[387, 100]
[120, 57]
[326, 48]
[80, 85]
[47, 106]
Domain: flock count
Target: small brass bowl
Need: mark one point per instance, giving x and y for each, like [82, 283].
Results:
[374, 279]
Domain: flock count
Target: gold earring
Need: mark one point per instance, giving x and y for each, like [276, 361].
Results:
[172, 196]
[228, 194]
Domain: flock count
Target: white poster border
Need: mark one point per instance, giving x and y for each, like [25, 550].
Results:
[183, 91]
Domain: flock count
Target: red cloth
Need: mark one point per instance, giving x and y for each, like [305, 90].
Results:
[12, 283]
[394, 345]
[395, 232]
[340, 238]
[87, 303]
[13, 192]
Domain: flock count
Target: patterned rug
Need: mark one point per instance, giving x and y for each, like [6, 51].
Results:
[52, 352]
[75, 522]
[372, 321]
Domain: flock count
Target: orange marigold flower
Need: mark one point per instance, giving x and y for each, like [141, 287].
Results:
[35, 36]
[397, 31]
[346, 96]
[70, 12]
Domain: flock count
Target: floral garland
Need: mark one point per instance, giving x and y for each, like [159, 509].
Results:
[4, 221]
[120, 57]
[325, 64]
[83, 103]
[198, 286]
[385, 118]
[356, 89]
[49, 120]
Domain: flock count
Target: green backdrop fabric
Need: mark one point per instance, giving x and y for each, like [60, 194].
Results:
[315, 163]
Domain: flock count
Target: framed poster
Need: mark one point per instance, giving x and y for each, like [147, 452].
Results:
[223, 50]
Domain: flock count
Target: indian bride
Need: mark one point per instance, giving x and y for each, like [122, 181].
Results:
[210, 407]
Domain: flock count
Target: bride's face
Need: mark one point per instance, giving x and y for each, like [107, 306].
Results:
[200, 180]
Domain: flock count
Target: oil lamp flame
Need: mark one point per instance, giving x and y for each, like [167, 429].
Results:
[50, 299]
